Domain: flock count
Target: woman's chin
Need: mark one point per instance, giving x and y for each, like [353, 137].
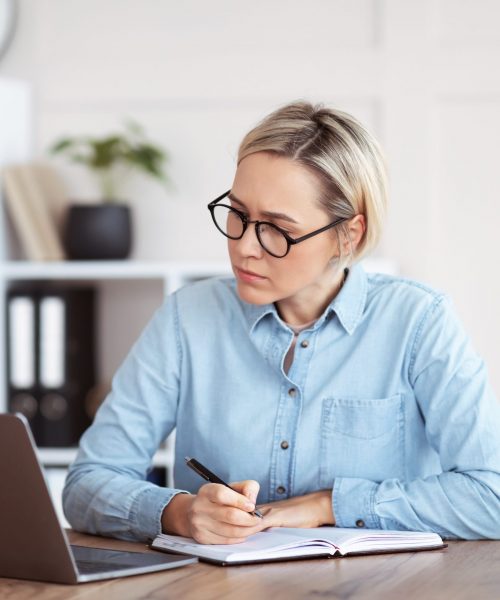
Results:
[251, 295]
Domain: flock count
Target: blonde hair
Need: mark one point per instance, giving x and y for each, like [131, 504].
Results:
[345, 157]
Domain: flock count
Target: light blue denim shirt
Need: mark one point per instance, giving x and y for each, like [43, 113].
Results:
[386, 403]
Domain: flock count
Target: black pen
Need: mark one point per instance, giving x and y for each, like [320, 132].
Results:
[192, 463]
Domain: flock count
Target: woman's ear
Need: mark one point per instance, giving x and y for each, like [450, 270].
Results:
[356, 228]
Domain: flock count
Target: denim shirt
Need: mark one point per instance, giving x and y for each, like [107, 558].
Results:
[386, 403]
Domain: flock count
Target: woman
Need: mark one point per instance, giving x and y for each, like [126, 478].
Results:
[330, 396]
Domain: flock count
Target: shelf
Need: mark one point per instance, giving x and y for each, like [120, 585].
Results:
[62, 457]
[119, 269]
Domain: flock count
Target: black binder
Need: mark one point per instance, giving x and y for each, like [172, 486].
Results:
[51, 359]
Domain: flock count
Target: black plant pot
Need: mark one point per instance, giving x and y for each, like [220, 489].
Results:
[98, 231]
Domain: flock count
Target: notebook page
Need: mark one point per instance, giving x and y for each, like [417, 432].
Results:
[355, 540]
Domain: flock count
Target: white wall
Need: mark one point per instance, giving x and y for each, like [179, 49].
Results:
[422, 74]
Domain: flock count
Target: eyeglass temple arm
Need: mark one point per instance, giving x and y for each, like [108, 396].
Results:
[219, 198]
[313, 233]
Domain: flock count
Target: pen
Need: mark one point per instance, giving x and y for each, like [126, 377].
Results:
[192, 463]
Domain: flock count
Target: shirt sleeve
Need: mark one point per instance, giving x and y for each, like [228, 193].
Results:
[106, 491]
[462, 421]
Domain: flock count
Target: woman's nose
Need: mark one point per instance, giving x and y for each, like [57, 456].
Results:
[249, 245]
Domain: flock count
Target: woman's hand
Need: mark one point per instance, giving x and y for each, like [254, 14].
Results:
[216, 515]
[311, 510]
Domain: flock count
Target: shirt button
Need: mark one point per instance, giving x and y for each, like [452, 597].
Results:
[360, 523]
[292, 392]
[284, 444]
[280, 489]
[304, 343]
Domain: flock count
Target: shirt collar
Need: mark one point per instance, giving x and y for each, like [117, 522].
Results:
[350, 302]
[256, 312]
[348, 305]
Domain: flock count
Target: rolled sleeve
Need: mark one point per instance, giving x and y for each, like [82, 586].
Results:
[354, 503]
[148, 509]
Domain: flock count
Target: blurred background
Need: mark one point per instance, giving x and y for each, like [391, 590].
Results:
[423, 76]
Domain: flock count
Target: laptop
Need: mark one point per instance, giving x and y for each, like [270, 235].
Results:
[33, 545]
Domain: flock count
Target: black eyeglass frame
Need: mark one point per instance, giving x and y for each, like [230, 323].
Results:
[246, 222]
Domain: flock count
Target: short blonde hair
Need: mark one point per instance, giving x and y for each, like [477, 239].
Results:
[343, 154]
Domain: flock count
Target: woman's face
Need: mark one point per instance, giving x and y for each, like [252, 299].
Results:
[273, 188]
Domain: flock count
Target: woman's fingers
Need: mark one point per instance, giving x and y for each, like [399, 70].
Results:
[216, 532]
[249, 488]
[221, 524]
[235, 516]
[225, 506]
[222, 495]
[220, 515]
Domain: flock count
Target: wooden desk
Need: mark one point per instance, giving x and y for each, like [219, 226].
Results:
[466, 570]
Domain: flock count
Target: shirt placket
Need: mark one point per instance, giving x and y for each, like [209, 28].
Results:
[288, 417]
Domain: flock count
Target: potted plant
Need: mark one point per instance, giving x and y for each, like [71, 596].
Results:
[104, 230]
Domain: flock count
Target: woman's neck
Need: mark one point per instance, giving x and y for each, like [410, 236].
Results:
[309, 304]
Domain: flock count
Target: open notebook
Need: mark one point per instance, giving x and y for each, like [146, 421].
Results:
[281, 543]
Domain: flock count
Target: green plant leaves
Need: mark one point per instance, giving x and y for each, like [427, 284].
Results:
[130, 148]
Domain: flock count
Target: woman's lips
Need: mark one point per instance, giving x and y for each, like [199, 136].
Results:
[248, 276]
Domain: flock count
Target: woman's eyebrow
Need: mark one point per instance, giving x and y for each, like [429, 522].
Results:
[266, 213]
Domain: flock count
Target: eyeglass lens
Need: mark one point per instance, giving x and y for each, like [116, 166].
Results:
[230, 223]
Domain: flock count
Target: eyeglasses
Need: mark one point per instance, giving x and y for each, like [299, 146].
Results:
[233, 223]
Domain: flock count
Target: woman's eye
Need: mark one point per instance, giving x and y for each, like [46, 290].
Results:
[238, 210]
[284, 229]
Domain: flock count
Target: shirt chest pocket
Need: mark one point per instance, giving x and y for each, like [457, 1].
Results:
[361, 438]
